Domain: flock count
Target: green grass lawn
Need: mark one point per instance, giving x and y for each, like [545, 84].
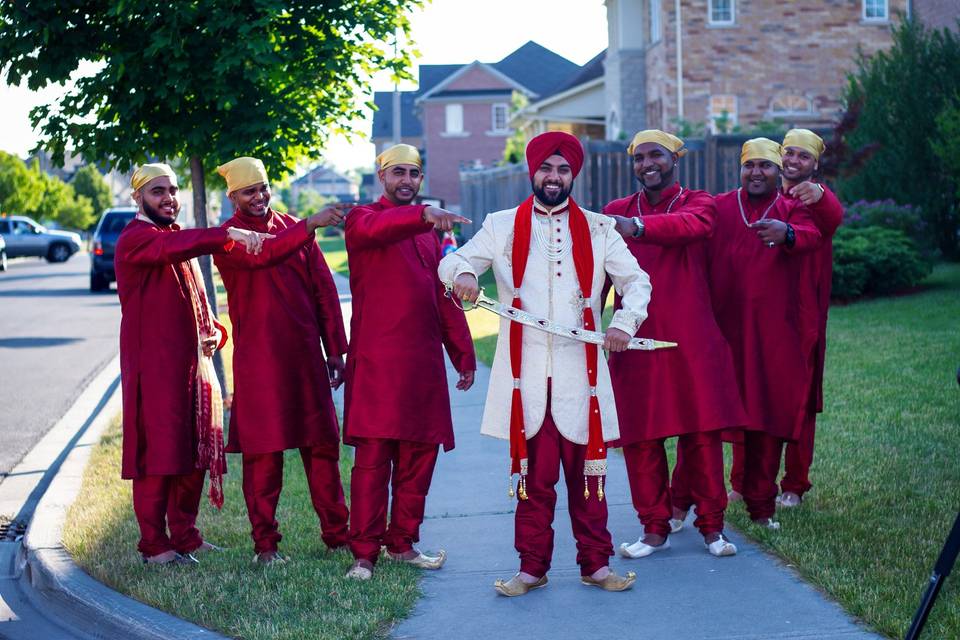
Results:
[886, 481]
[306, 598]
[335, 253]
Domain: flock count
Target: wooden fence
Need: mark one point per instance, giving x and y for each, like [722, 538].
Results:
[711, 164]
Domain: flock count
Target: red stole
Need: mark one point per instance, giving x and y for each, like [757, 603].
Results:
[596, 459]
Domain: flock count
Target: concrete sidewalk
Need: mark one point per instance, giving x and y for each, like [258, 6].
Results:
[681, 593]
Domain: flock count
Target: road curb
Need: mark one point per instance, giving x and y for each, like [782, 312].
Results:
[58, 585]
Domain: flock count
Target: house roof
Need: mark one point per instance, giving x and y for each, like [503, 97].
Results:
[319, 173]
[592, 70]
[533, 67]
[537, 68]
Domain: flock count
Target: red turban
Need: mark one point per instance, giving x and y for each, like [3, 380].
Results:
[546, 144]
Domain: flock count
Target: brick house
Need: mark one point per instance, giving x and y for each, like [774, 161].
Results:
[459, 115]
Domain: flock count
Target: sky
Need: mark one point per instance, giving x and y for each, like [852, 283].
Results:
[444, 32]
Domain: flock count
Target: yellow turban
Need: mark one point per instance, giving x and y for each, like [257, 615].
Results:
[806, 140]
[243, 172]
[146, 173]
[672, 143]
[399, 154]
[762, 149]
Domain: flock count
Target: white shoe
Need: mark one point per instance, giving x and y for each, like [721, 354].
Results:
[789, 499]
[721, 547]
[640, 549]
[359, 572]
[769, 523]
[676, 526]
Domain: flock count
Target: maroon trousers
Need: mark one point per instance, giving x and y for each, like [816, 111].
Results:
[799, 457]
[160, 502]
[761, 463]
[533, 532]
[697, 479]
[382, 466]
[263, 480]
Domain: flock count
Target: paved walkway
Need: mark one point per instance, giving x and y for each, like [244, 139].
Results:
[681, 593]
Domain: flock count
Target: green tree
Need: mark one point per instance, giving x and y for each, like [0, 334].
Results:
[902, 91]
[60, 203]
[514, 152]
[19, 187]
[200, 81]
[946, 144]
[309, 201]
[89, 182]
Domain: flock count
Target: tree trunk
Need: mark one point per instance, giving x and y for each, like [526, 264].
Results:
[198, 182]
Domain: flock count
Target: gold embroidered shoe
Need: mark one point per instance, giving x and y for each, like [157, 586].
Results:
[421, 560]
[611, 581]
[517, 587]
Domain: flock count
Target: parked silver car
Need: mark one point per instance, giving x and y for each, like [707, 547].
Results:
[26, 237]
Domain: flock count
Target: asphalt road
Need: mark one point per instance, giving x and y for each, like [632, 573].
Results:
[55, 335]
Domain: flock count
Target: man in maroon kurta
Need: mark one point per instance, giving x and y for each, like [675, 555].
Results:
[288, 332]
[160, 348]
[801, 156]
[396, 404]
[755, 257]
[689, 391]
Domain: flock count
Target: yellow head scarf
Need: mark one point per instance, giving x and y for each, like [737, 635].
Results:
[399, 154]
[243, 172]
[804, 139]
[762, 149]
[146, 173]
[672, 143]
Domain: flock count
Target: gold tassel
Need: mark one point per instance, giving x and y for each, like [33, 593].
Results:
[600, 488]
[586, 489]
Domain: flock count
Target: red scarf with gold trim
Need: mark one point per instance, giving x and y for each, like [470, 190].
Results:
[596, 459]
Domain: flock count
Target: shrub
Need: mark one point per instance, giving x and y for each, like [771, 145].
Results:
[890, 215]
[873, 260]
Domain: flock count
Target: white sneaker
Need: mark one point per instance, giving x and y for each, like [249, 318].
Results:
[676, 525]
[359, 572]
[721, 547]
[789, 499]
[769, 523]
[640, 549]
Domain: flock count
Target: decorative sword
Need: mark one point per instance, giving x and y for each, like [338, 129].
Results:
[518, 315]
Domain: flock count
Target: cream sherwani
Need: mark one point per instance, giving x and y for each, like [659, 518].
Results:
[551, 290]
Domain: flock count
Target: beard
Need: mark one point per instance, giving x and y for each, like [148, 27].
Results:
[666, 178]
[551, 201]
[158, 218]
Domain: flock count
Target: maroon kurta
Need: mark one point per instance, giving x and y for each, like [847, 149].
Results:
[755, 293]
[283, 304]
[158, 345]
[396, 383]
[815, 282]
[692, 388]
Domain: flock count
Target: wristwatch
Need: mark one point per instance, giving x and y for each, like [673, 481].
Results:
[791, 238]
[639, 224]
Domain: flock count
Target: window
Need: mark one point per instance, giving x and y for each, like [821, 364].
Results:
[720, 12]
[498, 114]
[876, 10]
[790, 104]
[656, 28]
[454, 113]
[723, 113]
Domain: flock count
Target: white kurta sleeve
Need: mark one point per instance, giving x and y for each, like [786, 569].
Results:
[630, 281]
[474, 257]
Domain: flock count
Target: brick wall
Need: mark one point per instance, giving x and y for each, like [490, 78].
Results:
[798, 48]
[446, 154]
[937, 14]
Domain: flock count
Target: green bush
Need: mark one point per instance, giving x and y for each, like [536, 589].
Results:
[875, 261]
[890, 215]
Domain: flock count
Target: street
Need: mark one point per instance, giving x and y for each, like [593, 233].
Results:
[54, 337]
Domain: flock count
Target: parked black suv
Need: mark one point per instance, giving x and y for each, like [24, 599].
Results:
[105, 237]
